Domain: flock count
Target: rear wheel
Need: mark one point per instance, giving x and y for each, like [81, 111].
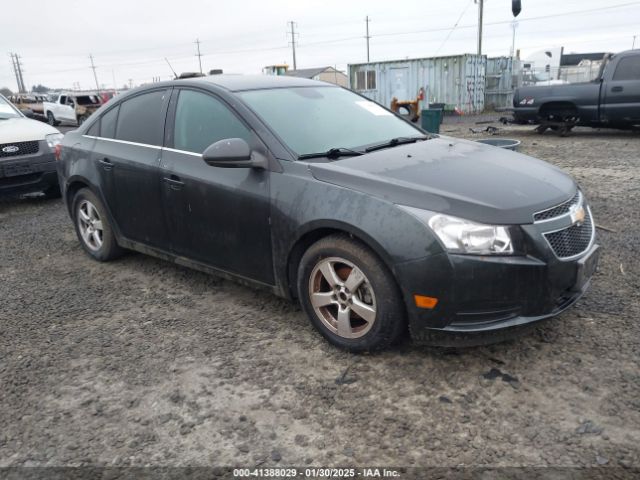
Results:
[82, 119]
[349, 295]
[93, 228]
[51, 120]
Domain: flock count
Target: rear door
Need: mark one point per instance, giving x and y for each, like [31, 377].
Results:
[217, 216]
[622, 92]
[127, 154]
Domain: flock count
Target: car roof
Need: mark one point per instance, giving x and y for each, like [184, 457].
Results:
[237, 83]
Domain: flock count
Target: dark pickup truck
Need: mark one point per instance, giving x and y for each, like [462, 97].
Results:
[611, 100]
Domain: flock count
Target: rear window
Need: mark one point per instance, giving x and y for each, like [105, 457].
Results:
[141, 118]
[628, 69]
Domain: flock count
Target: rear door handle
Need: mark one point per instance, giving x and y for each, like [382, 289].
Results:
[106, 164]
[617, 89]
[174, 182]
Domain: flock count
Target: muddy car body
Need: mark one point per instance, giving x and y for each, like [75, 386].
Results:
[452, 236]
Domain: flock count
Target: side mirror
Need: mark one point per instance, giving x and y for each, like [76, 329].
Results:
[233, 153]
[516, 7]
[27, 112]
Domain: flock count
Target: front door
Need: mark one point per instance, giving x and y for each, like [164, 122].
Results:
[622, 93]
[217, 216]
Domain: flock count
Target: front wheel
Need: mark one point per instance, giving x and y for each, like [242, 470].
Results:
[93, 228]
[349, 295]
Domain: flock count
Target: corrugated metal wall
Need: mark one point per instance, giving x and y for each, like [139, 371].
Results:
[502, 76]
[457, 81]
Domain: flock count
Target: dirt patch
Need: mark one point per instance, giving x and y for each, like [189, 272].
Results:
[139, 362]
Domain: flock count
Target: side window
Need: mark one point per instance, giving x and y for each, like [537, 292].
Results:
[202, 120]
[108, 123]
[63, 99]
[141, 119]
[628, 69]
[94, 130]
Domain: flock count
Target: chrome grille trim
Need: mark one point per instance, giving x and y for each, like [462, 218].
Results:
[559, 210]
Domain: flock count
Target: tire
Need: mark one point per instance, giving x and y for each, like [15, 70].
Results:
[52, 191]
[82, 119]
[51, 120]
[89, 215]
[372, 313]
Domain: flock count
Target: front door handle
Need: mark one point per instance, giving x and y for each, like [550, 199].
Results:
[617, 89]
[174, 182]
[106, 164]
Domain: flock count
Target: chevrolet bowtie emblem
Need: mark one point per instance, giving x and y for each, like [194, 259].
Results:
[578, 215]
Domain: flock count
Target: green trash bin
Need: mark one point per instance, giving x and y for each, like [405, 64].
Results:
[431, 119]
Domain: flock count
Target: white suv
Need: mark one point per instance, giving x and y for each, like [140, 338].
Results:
[28, 151]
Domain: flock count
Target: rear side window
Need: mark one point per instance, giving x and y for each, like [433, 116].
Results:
[628, 69]
[108, 123]
[141, 119]
[202, 120]
[94, 130]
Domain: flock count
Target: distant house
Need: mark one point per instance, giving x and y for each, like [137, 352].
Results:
[325, 74]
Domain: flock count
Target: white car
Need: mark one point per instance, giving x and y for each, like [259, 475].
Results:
[28, 151]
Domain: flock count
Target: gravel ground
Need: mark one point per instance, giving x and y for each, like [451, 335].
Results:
[140, 362]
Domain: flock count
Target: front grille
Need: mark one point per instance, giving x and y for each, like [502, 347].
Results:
[561, 209]
[23, 148]
[572, 240]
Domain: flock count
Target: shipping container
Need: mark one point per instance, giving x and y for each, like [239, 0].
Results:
[456, 81]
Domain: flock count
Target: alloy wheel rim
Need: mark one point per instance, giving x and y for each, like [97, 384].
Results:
[90, 225]
[342, 297]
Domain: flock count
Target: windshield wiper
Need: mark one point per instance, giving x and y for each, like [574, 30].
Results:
[395, 142]
[332, 153]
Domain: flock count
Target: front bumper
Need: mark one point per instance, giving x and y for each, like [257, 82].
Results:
[28, 173]
[487, 298]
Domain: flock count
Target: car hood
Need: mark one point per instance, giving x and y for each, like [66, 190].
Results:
[23, 130]
[457, 177]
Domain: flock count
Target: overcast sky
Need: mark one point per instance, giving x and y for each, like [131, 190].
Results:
[129, 39]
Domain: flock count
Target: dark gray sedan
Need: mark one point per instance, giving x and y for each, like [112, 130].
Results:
[319, 194]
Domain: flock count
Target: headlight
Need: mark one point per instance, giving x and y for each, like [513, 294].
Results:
[464, 236]
[54, 139]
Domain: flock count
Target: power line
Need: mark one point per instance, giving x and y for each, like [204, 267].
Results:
[292, 24]
[455, 25]
[504, 22]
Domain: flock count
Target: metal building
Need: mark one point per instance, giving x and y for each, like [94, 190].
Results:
[456, 81]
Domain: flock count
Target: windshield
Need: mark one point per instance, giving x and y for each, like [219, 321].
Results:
[7, 110]
[317, 119]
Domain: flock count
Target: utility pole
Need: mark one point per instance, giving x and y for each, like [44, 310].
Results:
[480, 13]
[199, 55]
[293, 42]
[367, 36]
[17, 69]
[633, 45]
[95, 75]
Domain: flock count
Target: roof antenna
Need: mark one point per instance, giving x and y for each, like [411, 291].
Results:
[175, 75]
